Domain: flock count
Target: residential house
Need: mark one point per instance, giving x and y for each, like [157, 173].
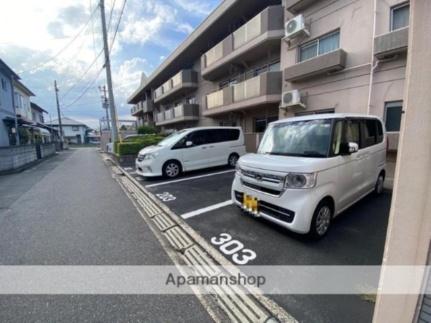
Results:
[37, 113]
[7, 108]
[74, 132]
[22, 96]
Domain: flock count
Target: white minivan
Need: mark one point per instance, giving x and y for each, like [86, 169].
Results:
[191, 149]
[309, 169]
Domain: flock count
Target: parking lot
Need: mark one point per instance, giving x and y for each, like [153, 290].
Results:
[356, 237]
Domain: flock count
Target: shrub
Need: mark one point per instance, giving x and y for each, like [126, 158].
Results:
[142, 130]
[133, 147]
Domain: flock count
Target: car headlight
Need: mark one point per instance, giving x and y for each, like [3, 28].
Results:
[297, 180]
[237, 169]
[150, 156]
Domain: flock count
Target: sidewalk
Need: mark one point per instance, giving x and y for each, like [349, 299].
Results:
[70, 211]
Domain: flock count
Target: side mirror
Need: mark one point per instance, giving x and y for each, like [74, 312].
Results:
[348, 148]
[189, 143]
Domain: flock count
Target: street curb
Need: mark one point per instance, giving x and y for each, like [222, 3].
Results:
[172, 220]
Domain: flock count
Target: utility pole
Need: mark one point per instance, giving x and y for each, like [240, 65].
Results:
[105, 104]
[60, 127]
[114, 130]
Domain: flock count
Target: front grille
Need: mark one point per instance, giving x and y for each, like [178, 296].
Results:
[261, 188]
[262, 177]
[277, 212]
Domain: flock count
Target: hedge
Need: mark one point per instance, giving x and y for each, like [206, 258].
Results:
[133, 148]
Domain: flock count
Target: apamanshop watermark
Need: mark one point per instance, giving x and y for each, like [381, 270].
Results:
[215, 280]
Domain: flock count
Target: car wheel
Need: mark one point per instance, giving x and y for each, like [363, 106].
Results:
[172, 169]
[378, 188]
[321, 221]
[232, 160]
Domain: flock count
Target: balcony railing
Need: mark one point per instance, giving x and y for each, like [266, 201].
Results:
[316, 66]
[248, 42]
[247, 89]
[185, 112]
[215, 99]
[142, 107]
[160, 117]
[182, 82]
[247, 32]
[392, 43]
[261, 89]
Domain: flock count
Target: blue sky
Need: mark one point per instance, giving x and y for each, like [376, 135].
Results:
[38, 30]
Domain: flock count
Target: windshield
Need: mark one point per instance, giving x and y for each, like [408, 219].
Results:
[309, 138]
[172, 138]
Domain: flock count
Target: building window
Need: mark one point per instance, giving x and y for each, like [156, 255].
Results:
[3, 84]
[320, 46]
[393, 111]
[260, 124]
[75, 128]
[400, 16]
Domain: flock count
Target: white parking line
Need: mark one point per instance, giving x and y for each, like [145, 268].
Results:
[206, 209]
[189, 178]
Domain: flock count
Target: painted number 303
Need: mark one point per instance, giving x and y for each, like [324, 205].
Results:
[166, 197]
[233, 248]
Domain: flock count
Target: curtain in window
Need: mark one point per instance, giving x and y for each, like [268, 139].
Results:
[308, 51]
[400, 17]
[329, 43]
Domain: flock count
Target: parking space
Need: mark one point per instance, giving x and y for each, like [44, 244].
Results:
[357, 237]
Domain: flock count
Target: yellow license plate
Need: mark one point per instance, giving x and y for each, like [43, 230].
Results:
[250, 203]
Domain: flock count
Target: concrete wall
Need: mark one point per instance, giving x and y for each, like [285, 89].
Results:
[12, 158]
[47, 150]
[409, 229]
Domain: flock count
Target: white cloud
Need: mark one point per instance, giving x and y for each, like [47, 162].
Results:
[185, 28]
[195, 6]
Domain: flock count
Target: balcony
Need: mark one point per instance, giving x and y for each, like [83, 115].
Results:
[259, 90]
[248, 43]
[181, 113]
[183, 82]
[296, 6]
[319, 65]
[142, 107]
[392, 43]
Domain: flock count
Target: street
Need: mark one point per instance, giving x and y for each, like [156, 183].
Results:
[357, 237]
[68, 210]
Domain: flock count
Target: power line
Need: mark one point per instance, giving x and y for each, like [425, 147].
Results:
[85, 90]
[118, 25]
[65, 47]
[111, 14]
[82, 76]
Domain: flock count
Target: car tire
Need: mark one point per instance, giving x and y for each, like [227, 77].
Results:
[232, 160]
[378, 188]
[172, 169]
[322, 219]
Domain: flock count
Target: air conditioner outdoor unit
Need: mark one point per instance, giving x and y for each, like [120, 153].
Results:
[295, 27]
[291, 99]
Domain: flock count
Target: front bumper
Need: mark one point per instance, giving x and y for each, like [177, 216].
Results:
[147, 168]
[293, 209]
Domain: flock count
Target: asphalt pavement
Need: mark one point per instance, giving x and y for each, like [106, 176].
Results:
[69, 210]
[357, 237]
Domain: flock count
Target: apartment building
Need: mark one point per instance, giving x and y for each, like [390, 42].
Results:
[346, 56]
[253, 62]
[227, 72]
